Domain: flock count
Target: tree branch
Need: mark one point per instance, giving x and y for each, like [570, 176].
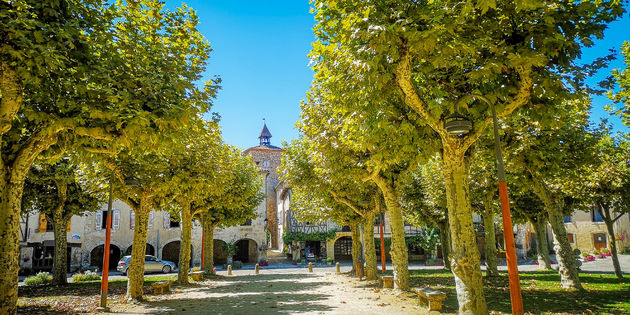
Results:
[403, 79]
[346, 202]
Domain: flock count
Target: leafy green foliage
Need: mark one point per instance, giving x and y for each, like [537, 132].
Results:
[622, 79]
[51, 187]
[40, 278]
[290, 237]
[85, 277]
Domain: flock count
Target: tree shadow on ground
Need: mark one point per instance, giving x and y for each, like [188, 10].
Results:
[257, 303]
[250, 294]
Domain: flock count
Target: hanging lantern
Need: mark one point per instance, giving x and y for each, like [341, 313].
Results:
[457, 124]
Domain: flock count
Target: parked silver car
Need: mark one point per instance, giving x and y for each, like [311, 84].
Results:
[151, 264]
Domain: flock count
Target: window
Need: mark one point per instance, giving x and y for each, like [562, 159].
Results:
[570, 237]
[596, 216]
[567, 219]
[248, 222]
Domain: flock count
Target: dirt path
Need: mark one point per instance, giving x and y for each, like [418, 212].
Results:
[280, 291]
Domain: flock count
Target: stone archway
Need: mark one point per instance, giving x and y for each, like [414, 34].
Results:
[150, 250]
[247, 251]
[96, 256]
[170, 252]
[219, 254]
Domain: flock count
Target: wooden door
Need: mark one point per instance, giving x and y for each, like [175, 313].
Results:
[599, 241]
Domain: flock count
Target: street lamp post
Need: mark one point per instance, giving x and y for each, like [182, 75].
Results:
[458, 127]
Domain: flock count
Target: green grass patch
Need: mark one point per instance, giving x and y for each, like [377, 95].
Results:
[541, 290]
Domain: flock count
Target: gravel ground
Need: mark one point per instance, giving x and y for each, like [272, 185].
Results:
[280, 291]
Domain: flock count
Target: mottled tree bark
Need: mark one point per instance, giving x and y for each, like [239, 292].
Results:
[465, 261]
[135, 273]
[356, 245]
[542, 249]
[398, 250]
[370, 250]
[445, 241]
[11, 188]
[490, 246]
[208, 259]
[60, 226]
[609, 220]
[10, 207]
[184, 249]
[564, 253]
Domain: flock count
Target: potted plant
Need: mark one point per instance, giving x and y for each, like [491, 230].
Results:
[230, 249]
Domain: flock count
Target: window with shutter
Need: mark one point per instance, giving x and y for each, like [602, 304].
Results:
[98, 220]
[116, 219]
[167, 220]
[151, 219]
[132, 220]
[42, 223]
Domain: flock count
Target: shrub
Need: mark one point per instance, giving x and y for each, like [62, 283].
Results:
[584, 254]
[84, 277]
[596, 252]
[195, 269]
[299, 260]
[237, 264]
[329, 260]
[39, 279]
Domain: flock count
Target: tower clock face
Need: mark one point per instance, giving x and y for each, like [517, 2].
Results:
[265, 163]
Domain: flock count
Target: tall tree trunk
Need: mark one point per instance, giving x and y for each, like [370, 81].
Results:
[60, 265]
[445, 241]
[135, 273]
[184, 249]
[465, 261]
[10, 207]
[398, 251]
[609, 220]
[208, 259]
[564, 253]
[490, 246]
[542, 249]
[60, 226]
[356, 245]
[370, 250]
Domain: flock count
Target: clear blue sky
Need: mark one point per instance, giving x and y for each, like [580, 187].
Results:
[260, 52]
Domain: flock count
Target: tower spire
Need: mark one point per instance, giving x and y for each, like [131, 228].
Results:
[265, 135]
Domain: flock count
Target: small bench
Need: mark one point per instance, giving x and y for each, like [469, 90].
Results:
[161, 287]
[197, 275]
[433, 297]
[388, 282]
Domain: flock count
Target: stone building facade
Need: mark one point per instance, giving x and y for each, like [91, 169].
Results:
[587, 231]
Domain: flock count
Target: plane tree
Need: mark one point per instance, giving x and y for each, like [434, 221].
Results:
[424, 202]
[382, 144]
[551, 158]
[53, 190]
[604, 182]
[438, 56]
[233, 202]
[314, 197]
